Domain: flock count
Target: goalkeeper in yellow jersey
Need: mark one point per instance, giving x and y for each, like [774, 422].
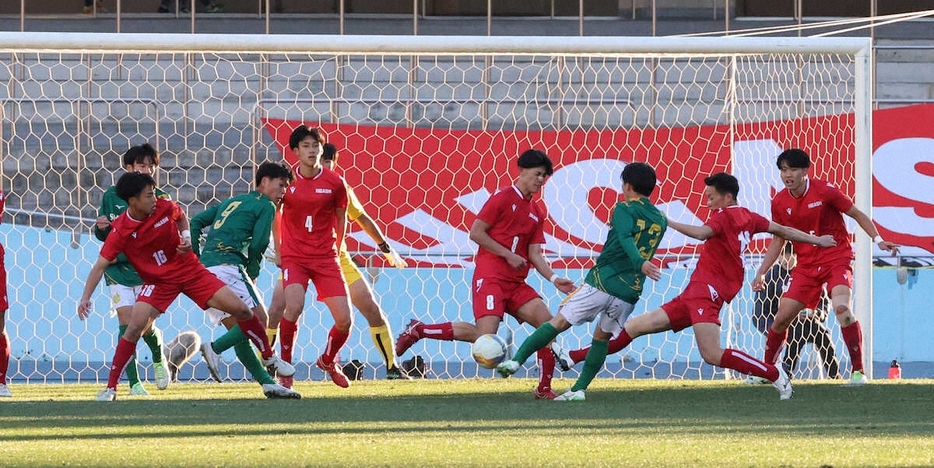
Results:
[361, 294]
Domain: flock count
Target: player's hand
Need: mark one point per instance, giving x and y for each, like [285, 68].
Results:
[889, 247]
[516, 262]
[103, 223]
[565, 285]
[84, 308]
[826, 241]
[758, 283]
[184, 246]
[651, 270]
[395, 259]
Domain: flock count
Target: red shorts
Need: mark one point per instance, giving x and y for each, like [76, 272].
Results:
[324, 273]
[4, 302]
[807, 284]
[493, 296]
[200, 289]
[698, 303]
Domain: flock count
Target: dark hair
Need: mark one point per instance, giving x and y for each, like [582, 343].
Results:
[794, 158]
[139, 154]
[641, 176]
[535, 158]
[273, 171]
[329, 152]
[723, 183]
[789, 248]
[131, 184]
[303, 131]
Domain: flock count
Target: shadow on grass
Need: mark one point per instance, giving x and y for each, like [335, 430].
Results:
[825, 409]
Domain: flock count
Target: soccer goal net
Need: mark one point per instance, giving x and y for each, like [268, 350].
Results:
[427, 128]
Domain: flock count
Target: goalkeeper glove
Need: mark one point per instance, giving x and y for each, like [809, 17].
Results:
[392, 256]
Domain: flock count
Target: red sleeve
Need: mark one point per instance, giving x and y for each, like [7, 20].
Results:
[777, 210]
[491, 210]
[341, 191]
[114, 244]
[759, 223]
[715, 221]
[2, 201]
[838, 199]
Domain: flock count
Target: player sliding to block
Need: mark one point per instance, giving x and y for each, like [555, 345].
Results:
[153, 234]
[716, 280]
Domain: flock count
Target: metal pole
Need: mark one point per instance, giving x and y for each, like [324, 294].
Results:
[191, 8]
[489, 17]
[581, 20]
[414, 17]
[268, 5]
[862, 269]
[22, 15]
[654, 19]
[726, 16]
[119, 9]
[341, 15]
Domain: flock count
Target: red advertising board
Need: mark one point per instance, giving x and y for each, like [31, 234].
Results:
[425, 185]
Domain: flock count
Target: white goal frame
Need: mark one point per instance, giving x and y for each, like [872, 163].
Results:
[659, 47]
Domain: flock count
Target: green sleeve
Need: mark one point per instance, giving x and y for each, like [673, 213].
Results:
[260, 241]
[622, 223]
[197, 224]
[101, 234]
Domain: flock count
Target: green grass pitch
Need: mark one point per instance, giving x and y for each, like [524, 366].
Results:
[473, 422]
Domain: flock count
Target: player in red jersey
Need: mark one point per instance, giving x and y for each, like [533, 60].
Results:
[509, 232]
[4, 305]
[313, 224]
[817, 207]
[153, 234]
[716, 280]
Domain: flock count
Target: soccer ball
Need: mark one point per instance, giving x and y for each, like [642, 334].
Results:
[489, 350]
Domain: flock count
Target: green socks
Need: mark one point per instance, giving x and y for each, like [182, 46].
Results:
[536, 341]
[248, 358]
[229, 340]
[154, 341]
[592, 364]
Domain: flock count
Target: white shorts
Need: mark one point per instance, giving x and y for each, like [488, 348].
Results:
[587, 302]
[122, 296]
[241, 284]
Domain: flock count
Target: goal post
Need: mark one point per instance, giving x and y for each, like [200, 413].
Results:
[428, 128]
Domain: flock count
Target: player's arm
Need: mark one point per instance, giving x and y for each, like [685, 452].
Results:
[94, 278]
[771, 254]
[197, 224]
[537, 258]
[479, 234]
[341, 227]
[623, 222]
[870, 228]
[259, 241]
[702, 232]
[184, 231]
[371, 229]
[102, 225]
[795, 235]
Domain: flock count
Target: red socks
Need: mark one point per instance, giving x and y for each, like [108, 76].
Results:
[774, 343]
[256, 332]
[336, 340]
[853, 337]
[616, 345]
[288, 331]
[546, 368]
[746, 364]
[4, 356]
[437, 331]
[125, 350]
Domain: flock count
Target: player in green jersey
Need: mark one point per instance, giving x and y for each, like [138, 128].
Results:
[233, 250]
[121, 278]
[613, 286]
